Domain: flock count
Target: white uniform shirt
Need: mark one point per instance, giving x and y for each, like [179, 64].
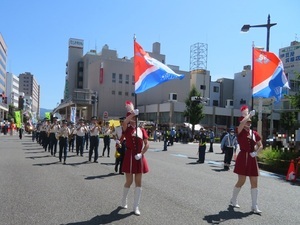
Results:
[94, 130]
[64, 132]
[81, 130]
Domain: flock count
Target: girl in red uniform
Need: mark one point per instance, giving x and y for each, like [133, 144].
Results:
[134, 162]
[246, 163]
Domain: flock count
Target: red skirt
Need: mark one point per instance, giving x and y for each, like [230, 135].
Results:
[131, 165]
[246, 165]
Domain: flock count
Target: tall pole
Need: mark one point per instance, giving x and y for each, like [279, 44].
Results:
[268, 32]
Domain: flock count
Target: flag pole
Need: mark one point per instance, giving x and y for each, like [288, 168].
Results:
[135, 95]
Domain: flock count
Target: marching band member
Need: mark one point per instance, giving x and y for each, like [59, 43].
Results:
[72, 136]
[134, 163]
[94, 139]
[80, 135]
[120, 145]
[106, 138]
[52, 130]
[246, 162]
[63, 135]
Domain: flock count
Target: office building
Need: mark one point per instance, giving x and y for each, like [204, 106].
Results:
[3, 56]
[31, 89]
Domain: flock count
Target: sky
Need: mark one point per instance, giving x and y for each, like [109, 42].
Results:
[37, 33]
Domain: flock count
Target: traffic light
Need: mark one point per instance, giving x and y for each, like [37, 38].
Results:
[21, 102]
[93, 99]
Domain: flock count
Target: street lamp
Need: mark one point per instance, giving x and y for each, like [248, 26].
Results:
[246, 28]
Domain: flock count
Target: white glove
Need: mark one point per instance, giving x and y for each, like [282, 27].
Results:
[117, 142]
[252, 112]
[253, 154]
[138, 156]
[136, 112]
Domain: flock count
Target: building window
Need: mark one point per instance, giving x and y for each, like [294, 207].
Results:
[132, 94]
[133, 82]
[120, 78]
[215, 102]
[202, 87]
[113, 92]
[216, 89]
[114, 78]
[120, 92]
[126, 93]
[127, 79]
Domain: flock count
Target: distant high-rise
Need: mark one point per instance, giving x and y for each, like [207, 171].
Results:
[12, 89]
[29, 86]
[3, 55]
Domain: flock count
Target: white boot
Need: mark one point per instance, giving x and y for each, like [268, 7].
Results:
[254, 208]
[124, 199]
[137, 198]
[233, 201]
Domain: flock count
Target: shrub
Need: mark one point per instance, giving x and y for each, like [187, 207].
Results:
[276, 158]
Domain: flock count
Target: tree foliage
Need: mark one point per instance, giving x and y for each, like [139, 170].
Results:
[194, 110]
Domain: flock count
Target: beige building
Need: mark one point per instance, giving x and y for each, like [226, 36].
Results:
[31, 89]
[3, 56]
[110, 78]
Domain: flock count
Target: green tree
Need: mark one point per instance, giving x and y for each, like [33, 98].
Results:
[194, 109]
[288, 121]
[295, 99]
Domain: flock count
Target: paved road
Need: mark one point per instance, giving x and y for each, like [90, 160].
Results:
[36, 189]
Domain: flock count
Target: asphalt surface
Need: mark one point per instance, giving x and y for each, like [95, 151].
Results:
[36, 188]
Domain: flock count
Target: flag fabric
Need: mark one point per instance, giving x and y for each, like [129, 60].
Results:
[47, 115]
[149, 72]
[73, 115]
[18, 118]
[268, 75]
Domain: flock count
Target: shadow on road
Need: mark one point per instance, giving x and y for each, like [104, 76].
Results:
[229, 214]
[104, 219]
[101, 176]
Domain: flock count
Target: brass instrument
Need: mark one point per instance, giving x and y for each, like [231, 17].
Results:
[71, 135]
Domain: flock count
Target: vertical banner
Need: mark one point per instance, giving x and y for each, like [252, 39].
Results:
[73, 115]
[18, 118]
[47, 115]
[101, 73]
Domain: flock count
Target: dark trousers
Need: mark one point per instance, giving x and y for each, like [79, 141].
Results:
[63, 146]
[52, 143]
[106, 141]
[202, 149]
[94, 143]
[20, 133]
[211, 146]
[71, 143]
[79, 144]
[86, 140]
[228, 155]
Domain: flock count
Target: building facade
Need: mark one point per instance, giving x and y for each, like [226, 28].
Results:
[31, 89]
[3, 56]
[12, 89]
[110, 79]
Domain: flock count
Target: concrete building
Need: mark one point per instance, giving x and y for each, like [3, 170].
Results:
[12, 89]
[31, 89]
[109, 78]
[3, 56]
